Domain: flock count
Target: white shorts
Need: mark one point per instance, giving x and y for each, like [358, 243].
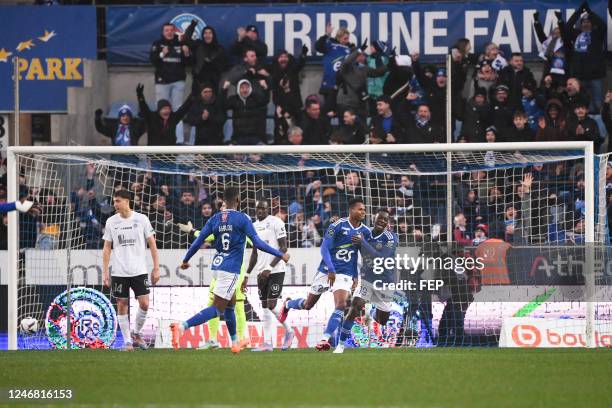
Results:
[225, 284]
[365, 290]
[320, 284]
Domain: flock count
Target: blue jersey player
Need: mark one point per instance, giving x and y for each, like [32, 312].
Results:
[338, 269]
[380, 245]
[230, 229]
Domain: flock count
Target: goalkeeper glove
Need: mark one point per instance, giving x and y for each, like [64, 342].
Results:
[23, 206]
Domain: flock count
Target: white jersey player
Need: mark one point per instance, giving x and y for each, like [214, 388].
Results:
[126, 236]
[270, 275]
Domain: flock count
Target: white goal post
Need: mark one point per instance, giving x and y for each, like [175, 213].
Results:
[440, 151]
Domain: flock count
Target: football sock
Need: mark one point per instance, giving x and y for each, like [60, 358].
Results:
[124, 325]
[141, 316]
[203, 316]
[230, 322]
[241, 320]
[345, 331]
[268, 326]
[276, 312]
[297, 304]
[333, 323]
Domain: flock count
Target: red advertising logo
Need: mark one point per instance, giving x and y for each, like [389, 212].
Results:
[526, 335]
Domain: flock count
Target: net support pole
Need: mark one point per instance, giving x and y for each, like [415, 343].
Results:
[16, 105]
[589, 239]
[13, 248]
[68, 188]
[449, 156]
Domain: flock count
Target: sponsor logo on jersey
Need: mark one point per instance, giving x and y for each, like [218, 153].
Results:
[126, 242]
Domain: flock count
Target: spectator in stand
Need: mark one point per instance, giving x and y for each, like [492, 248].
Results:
[286, 94]
[475, 117]
[170, 57]
[515, 76]
[493, 56]
[353, 82]
[252, 70]
[185, 210]
[162, 124]
[532, 103]
[386, 127]
[606, 116]
[552, 126]
[207, 117]
[519, 132]
[295, 136]
[209, 57]
[248, 39]
[486, 78]
[461, 60]
[423, 130]
[315, 125]
[588, 56]
[435, 95]
[352, 130]
[124, 132]
[574, 94]
[581, 127]
[378, 58]
[462, 236]
[500, 112]
[552, 50]
[334, 51]
[248, 112]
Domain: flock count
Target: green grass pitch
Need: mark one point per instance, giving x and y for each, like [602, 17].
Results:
[449, 377]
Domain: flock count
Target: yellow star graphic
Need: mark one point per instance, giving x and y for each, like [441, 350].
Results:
[47, 36]
[4, 54]
[25, 45]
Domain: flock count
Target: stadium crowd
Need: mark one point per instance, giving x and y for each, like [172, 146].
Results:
[368, 94]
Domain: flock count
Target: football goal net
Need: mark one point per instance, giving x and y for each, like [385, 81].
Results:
[535, 215]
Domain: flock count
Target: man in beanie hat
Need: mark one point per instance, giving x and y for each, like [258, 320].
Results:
[248, 39]
[123, 132]
[475, 117]
[581, 127]
[500, 112]
[207, 117]
[161, 124]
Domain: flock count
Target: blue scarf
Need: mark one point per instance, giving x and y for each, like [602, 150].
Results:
[122, 138]
[583, 41]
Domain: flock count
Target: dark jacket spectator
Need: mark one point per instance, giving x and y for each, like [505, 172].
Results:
[169, 57]
[581, 127]
[285, 78]
[352, 130]
[475, 117]
[209, 57]
[252, 70]
[574, 94]
[208, 115]
[353, 84]
[423, 130]
[606, 116]
[386, 127]
[552, 127]
[588, 55]
[500, 112]
[515, 76]
[161, 124]
[248, 113]
[519, 131]
[123, 132]
[435, 93]
[315, 125]
[248, 39]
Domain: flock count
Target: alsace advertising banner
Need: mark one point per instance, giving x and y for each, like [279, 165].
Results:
[427, 28]
[52, 44]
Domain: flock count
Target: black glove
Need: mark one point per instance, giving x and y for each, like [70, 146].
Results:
[584, 6]
[99, 113]
[364, 45]
[140, 91]
[559, 15]
[194, 22]
[536, 16]
[304, 50]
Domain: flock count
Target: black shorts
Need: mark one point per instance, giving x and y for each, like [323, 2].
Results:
[120, 286]
[271, 288]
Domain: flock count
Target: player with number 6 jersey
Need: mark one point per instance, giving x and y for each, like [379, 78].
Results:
[230, 229]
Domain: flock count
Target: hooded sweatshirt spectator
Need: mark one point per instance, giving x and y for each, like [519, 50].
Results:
[123, 132]
[248, 113]
[208, 116]
[475, 117]
[248, 39]
[552, 126]
[161, 124]
[210, 58]
[285, 80]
